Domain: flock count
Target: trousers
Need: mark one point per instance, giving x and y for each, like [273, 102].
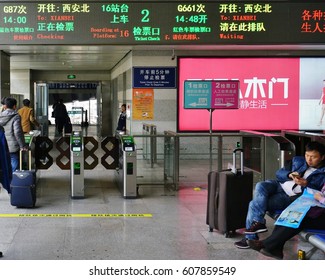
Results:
[268, 196]
[281, 234]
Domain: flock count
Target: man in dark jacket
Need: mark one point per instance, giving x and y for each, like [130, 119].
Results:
[273, 195]
[121, 124]
[11, 122]
[61, 116]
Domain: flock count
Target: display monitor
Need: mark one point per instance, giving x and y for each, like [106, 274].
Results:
[275, 93]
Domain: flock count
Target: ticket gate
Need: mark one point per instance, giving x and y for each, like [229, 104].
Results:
[30, 141]
[127, 171]
[77, 165]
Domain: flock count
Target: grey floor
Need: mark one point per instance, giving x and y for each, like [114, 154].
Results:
[176, 229]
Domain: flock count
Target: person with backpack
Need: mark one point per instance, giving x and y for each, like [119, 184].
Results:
[10, 120]
[27, 117]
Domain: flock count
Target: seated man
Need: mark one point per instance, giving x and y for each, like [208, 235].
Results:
[272, 195]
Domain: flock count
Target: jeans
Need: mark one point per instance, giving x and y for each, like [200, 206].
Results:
[268, 196]
[14, 161]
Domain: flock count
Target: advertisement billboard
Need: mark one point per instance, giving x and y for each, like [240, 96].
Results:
[275, 93]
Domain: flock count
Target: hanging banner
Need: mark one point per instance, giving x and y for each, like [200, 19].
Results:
[143, 104]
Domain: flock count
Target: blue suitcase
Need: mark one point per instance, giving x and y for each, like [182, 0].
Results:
[23, 186]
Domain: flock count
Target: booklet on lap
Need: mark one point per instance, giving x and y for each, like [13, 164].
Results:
[297, 210]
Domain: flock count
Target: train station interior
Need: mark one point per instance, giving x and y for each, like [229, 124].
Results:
[150, 202]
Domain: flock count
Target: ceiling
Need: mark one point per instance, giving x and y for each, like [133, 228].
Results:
[102, 57]
[45, 57]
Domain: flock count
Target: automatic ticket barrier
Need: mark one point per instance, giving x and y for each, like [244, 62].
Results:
[127, 171]
[77, 165]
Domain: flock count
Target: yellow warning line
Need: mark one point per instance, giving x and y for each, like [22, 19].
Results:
[75, 215]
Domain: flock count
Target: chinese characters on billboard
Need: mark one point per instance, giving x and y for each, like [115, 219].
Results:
[275, 93]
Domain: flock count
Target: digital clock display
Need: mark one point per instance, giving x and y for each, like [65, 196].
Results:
[161, 23]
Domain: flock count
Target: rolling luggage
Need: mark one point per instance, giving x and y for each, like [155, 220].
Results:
[229, 193]
[23, 185]
[68, 126]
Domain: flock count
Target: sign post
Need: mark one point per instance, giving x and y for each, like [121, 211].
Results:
[211, 95]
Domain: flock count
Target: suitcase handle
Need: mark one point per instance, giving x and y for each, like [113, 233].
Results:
[29, 159]
[234, 169]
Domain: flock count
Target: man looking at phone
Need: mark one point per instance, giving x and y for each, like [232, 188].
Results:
[272, 195]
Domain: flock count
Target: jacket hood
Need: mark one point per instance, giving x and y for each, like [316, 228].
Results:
[6, 116]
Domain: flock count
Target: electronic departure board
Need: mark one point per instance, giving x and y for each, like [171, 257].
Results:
[161, 23]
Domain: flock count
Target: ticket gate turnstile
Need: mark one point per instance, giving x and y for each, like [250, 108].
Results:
[127, 171]
[77, 165]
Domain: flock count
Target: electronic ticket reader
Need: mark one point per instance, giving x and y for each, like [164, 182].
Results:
[127, 170]
[77, 165]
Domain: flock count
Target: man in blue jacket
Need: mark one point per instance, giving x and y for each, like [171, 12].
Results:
[272, 195]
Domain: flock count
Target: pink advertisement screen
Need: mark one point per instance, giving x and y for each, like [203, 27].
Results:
[269, 94]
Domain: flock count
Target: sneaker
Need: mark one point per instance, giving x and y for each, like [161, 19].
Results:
[256, 227]
[242, 244]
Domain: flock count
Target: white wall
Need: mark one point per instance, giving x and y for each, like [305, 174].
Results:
[165, 103]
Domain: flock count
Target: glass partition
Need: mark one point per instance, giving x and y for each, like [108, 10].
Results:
[41, 91]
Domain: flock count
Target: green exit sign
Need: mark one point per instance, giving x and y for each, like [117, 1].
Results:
[71, 76]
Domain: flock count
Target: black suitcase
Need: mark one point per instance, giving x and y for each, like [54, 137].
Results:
[23, 186]
[229, 193]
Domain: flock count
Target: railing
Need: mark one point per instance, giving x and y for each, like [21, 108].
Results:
[177, 159]
[149, 144]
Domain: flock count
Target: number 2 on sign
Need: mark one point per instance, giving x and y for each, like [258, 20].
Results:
[145, 14]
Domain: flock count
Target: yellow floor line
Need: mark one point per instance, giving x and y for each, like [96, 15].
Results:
[59, 215]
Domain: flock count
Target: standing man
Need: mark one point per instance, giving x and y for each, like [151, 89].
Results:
[11, 122]
[3, 105]
[27, 117]
[121, 124]
[61, 116]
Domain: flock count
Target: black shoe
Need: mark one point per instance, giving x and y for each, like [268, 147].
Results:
[1, 255]
[274, 255]
[242, 244]
[256, 227]
[256, 245]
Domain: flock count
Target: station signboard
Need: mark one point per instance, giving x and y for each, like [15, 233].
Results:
[212, 94]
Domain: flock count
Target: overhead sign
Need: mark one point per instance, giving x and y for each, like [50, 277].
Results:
[161, 22]
[154, 77]
[212, 94]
